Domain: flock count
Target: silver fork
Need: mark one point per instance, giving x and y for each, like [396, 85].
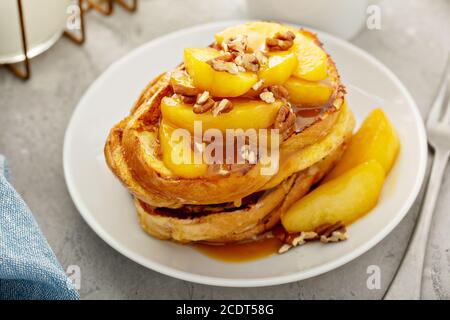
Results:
[407, 283]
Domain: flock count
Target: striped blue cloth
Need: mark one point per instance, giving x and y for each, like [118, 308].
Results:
[28, 267]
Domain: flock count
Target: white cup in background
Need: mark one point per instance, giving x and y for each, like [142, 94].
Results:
[45, 21]
[343, 18]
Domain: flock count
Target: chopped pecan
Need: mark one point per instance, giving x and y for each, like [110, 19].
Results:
[285, 121]
[223, 106]
[237, 44]
[202, 108]
[220, 65]
[248, 61]
[202, 98]
[258, 85]
[279, 92]
[284, 248]
[281, 41]
[335, 236]
[297, 239]
[332, 232]
[184, 90]
[267, 96]
[226, 56]
[300, 238]
[261, 57]
[203, 103]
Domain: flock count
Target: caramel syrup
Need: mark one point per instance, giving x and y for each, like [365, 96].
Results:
[241, 252]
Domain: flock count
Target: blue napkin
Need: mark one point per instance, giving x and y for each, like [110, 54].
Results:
[28, 267]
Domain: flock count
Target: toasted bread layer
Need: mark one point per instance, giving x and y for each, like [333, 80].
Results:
[231, 225]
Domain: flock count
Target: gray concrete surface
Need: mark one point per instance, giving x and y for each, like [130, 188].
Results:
[413, 42]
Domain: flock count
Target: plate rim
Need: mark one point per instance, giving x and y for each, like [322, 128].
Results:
[243, 282]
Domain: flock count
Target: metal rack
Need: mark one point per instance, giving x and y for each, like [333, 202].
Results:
[105, 7]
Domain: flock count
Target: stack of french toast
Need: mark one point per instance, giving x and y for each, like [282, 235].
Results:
[187, 153]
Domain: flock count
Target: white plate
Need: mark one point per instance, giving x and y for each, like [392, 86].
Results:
[107, 207]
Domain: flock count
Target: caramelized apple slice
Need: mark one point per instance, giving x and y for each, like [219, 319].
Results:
[312, 60]
[307, 93]
[279, 68]
[344, 199]
[376, 139]
[218, 83]
[242, 116]
[177, 153]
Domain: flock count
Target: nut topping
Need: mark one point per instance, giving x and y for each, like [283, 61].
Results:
[261, 57]
[202, 98]
[203, 103]
[267, 96]
[284, 248]
[332, 232]
[258, 85]
[237, 44]
[220, 65]
[325, 233]
[336, 236]
[223, 106]
[285, 121]
[281, 41]
[248, 61]
[279, 92]
[298, 239]
[184, 90]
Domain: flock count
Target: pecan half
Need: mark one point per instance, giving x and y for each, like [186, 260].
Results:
[285, 121]
[223, 106]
